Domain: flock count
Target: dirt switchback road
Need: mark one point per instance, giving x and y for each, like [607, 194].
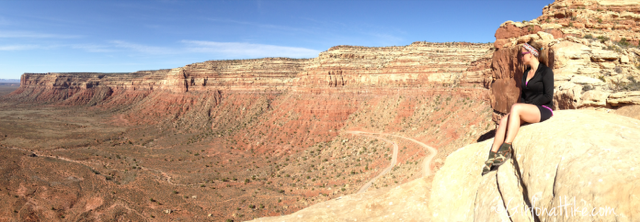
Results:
[426, 164]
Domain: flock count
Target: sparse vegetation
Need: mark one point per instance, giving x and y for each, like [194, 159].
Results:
[603, 38]
[276, 164]
[624, 43]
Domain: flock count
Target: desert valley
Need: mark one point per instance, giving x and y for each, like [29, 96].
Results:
[356, 133]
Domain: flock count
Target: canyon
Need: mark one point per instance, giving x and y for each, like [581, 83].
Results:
[365, 133]
[238, 139]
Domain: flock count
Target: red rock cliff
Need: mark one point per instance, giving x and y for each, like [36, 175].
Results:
[302, 101]
[591, 51]
[352, 68]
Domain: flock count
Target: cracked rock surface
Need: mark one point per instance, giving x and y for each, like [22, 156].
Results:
[580, 165]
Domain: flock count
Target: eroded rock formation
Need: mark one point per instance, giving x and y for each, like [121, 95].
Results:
[581, 165]
[592, 50]
[280, 107]
[276, 125]
[577, 172]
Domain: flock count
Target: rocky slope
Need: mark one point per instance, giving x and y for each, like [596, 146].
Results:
[594, 55]
[269, 133]
[593, 52]
[312, 96]
[585, 169]
[281, 126]
[579, 172]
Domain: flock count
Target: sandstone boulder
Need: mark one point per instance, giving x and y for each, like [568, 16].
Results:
[407, 202]
[580, 165]
[583, 80]
[624, 98]
[594, 98]
[632, 111]
[570, 56]
[567, 96]
[604, 55]
[624, 59]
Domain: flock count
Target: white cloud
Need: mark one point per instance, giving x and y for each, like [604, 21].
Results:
[23, 34]
[223, 50]
[244, 50]
[92, 47]
[260, 25]
[17, 47]
[143, 48]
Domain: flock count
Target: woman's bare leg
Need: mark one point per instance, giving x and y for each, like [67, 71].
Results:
[520, 113]
[498, 139]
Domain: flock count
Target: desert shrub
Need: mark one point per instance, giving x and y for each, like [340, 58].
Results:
[624, 43]
[631, 85]
[618, 69]
[603, 38]
[588, 36]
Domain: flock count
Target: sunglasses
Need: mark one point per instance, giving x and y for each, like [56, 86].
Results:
[524, 53]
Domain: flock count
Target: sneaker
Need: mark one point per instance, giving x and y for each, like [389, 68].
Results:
[504, 153]
[489, 163]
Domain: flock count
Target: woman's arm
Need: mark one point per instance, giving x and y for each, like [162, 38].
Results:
[547, 94]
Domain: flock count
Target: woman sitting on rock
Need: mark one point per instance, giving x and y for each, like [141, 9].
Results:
[534, 104]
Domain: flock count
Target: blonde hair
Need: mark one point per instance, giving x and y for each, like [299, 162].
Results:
[543, 51]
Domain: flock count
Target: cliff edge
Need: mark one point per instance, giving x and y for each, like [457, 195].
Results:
[565, 169]
[580, 165]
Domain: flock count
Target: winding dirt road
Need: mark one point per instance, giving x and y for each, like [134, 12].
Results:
[89, 164]
[426, 164]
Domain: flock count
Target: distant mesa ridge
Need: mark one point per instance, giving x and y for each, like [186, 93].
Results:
[588, 44]
[9, 80]
[350, 68]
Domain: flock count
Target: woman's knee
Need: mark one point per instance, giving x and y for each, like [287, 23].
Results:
[515, 108]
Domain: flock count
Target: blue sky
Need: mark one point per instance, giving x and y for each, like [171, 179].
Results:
[126, 36]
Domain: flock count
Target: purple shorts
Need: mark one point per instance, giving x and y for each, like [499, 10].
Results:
[545, 112]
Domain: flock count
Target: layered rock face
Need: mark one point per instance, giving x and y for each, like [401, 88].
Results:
[564, 169]
[323, 90]
[432, 92]
[420, 64]
[591, 48]
[284, 110]
[84, 88]
[326, 89]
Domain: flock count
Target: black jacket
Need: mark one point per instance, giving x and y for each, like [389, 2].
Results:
[539, 90]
